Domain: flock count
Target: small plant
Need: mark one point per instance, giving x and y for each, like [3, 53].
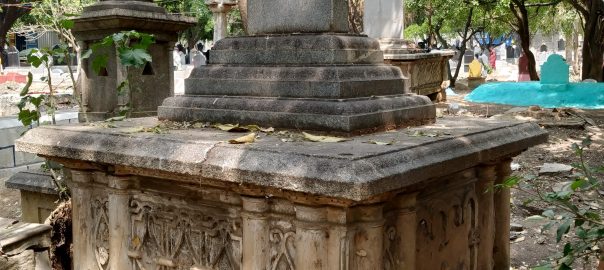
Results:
[575, 210]
[29, 106]
[131, 48]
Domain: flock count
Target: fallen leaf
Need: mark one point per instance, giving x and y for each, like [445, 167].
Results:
[230, 127]
[250, 138]
[327, 139]
[115, 119]
[380, 143]
[267, 130]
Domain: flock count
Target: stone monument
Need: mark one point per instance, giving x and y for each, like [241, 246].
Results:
[220, 9]
[424, 70]
[154, 83]
[187, 199]
[320, 78]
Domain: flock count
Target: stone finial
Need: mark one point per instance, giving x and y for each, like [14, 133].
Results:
[295, 16]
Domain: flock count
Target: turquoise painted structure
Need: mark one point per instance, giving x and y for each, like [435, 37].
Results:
[553, 91]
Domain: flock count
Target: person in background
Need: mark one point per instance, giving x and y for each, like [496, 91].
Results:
[176, 59]
[523, 71]
[484, 60]
[492, 57]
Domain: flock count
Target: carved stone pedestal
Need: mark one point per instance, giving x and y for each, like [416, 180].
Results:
[188, 200]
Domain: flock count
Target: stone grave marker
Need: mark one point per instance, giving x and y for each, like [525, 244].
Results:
[555, 70]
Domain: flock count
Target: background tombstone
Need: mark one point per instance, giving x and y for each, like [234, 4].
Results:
[99, 91]
[424, 70]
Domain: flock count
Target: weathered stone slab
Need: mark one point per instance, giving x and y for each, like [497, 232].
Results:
[353, 170]
[16, 237]
[333, 82]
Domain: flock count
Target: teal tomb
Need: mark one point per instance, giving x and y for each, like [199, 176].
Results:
[553, 91]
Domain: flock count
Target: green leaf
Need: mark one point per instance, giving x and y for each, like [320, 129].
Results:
[543, 267]
[99, 63]
[562, 230]
[86, 54]
[567, 249]
[144, 42]
[67, 24]
[563, 266]
[28, 116]
[25, 89]
[122, 87]
[579, 183]
[37, 101]
[511, 181]
[134, 57]
[548, 213]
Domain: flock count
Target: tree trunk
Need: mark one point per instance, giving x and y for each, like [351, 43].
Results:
[462, 48]
[593, 41]
[8, 15]
[519, 10]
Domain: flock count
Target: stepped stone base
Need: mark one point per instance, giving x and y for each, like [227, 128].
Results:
[325, 82]
[345, 116]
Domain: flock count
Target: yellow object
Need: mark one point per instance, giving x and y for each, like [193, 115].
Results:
[475, 69]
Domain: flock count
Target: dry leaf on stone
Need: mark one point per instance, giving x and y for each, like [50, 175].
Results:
[380, 143]
[230, 127]
[250, 138]
[114, 119]
[268, 130]
[327, 139]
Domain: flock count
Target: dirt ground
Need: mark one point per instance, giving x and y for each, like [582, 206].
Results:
[529, 245]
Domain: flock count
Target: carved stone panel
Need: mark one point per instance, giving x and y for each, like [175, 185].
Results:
[100, 232]
[282, 245]
[172, 237]
[447, 235]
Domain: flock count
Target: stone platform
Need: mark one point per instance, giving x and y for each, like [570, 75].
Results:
[186, 199]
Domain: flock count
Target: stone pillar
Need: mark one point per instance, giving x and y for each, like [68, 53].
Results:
[311, 238]
[119, 221]
[368, 245]
[405, 231]
[220, 10]
[501, 248]
[486, 215]
[82, 222]
[255, 233]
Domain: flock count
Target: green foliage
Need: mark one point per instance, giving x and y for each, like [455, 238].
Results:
[132, 49]
[29, 105]
[204, 28]
[575, 210]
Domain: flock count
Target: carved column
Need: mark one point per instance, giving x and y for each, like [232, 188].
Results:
[220, 10]
[401, 239]
[368, 245]
[119, 221]
[255, 233]
[81, 194]
[501, 249]
[311, 238]
[486, 215]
